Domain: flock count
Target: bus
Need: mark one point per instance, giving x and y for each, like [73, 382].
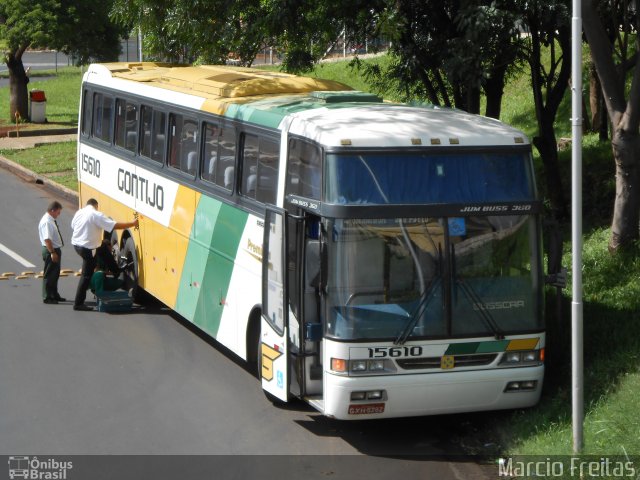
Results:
[373, 259]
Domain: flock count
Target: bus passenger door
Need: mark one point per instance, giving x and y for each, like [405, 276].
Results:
[273, 334]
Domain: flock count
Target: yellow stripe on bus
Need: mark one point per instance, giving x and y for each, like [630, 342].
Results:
[523, 344]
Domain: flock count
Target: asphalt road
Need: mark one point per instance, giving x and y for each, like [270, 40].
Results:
[90, 383]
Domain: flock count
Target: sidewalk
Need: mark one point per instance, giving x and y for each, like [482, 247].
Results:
[18, 143]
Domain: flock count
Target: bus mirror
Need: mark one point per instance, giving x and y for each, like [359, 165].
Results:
[313, 332]
[312, 263]
[556, 273]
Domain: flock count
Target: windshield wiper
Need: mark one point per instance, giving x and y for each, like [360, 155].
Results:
[476, 300]
[421, 308]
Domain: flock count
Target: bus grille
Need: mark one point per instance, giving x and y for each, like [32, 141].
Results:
[434, 362]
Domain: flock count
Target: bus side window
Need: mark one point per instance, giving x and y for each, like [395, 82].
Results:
[304, 176]
[210, 153]
[267, 176]
[225, 166]
[250, 148]
[102, 109]
[183, 143]
[126, 125]
[146, 114]
[158, 136]
[259, 168]
[86, 112]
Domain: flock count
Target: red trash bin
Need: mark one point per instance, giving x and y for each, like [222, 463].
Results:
[38, 106]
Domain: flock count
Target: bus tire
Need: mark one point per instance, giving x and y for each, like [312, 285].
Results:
[130, 270]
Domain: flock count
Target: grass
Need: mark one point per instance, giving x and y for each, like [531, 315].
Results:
[56, 161]
[611, 296]
[62, 90]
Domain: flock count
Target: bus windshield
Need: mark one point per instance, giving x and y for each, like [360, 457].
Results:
[419, 178]
[432, 277]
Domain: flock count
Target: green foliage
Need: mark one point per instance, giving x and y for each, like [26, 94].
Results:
[62, 92]
[26, 23]
[612, 363]
[57, 161]
[85, 31]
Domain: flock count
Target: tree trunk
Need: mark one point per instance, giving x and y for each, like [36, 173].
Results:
[626, 212]
[595, 100]
[494, 90]
[548, 149]
[18, 96]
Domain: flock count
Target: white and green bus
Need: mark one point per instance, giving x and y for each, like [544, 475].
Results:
[373, 259]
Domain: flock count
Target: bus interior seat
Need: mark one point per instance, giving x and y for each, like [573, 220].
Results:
[146, 143]
[191, 163]
[211, 168]
[229, 177]
[158, 146]
[251, 184]
[364, 270]
[132, 138]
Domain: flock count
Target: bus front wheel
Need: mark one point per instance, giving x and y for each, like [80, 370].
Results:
[130, 268]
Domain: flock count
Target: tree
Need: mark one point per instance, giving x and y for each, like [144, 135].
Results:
[76, 27]
[23, 23]
[449, 52]
[624, 113]
[547, 25]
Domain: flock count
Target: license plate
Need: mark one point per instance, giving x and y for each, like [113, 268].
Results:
[366, 409]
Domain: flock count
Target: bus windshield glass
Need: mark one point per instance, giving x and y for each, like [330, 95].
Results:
[418, 178]
[432, 277]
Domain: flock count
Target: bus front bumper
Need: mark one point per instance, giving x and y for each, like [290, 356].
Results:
[431, 393]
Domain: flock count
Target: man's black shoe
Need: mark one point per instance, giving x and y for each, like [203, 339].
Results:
[50, 301]
[83, 307]
[61, 299]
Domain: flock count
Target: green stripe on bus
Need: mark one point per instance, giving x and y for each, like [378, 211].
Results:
[209, 263]
[477, 347]
[462, 348]
[493, 347]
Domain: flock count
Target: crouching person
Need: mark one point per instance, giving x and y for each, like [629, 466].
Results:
[107, 290]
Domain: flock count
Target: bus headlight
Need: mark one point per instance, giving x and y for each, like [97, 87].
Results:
[522, 358]
[358, 365]
[376, 365]
[362, 367]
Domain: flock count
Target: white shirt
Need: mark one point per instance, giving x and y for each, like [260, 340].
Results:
[48, 230]
[87, 225]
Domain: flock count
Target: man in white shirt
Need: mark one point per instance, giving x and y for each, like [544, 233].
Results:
[88, 225]
[51, 241]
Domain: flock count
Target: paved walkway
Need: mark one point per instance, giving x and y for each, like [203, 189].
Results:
[18, 143]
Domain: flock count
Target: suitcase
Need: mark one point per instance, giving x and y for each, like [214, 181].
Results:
[118, 301]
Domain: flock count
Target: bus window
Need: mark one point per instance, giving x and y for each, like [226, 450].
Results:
[304, 170]
[86, 112]
[146, 114]
[267, 172]
[102, 107]
[153, 133]
[259, 168]
[210, 154]
[126, 125]
[158, 136]
[183, 143]
[225, 167]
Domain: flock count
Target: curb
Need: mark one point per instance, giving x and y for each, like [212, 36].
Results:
[33, 177]
[41, 132]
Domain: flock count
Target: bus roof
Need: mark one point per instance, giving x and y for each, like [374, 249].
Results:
[326, 111]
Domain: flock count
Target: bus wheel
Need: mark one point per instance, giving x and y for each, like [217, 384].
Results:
[130, 268]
